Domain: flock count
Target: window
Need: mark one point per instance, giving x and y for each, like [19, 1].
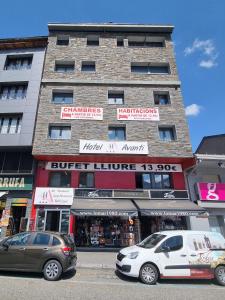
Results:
[10, 124]
[16, 162]
[167, 133]
[116, 133]
[56, 242]
[20, 239]
[60, 132]
[93, 41]
[18, 62]
[86, 180]
[161, 98]
[145, 41]
[144, 44]
[149, 68]
[120, 42]
[63, 40]
[115, 97]
[88, 66]
[62, 97]
[60, 179]
[153, 181]
[64, 67]
[173, 243]
[13, 92]
[41, 239]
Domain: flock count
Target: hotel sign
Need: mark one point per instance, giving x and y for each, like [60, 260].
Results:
[81, 113]
[125, 167]
[16, 183]
[53, 196]
[138, 114]
[113, 147]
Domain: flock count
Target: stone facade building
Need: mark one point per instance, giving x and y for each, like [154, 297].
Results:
[111, 130]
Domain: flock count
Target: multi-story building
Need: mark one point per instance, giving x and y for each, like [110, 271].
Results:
[206, 182]
[21, 64]
[111, 135]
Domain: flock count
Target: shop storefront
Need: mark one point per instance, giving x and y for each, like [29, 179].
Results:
[52, 209]
[17, 203]
[111, 218]
[212, 199]
[105, 222]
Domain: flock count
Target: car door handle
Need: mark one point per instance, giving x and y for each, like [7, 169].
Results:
[193, 255]
[183, 255]
[22, 249]
[46, 249]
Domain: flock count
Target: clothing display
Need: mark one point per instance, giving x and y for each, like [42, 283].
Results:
[105, 232]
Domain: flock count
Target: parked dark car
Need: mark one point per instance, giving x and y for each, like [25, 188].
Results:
[47, 252]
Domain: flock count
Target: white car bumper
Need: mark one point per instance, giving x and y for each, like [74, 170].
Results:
[128, 267]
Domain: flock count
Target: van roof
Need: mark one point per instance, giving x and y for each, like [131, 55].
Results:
[185, 232]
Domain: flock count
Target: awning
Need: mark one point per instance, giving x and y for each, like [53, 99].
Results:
[169, 208]
[3, 193]
[103, 207]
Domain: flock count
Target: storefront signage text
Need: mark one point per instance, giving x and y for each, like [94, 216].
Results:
[16, 183]
[112, 147]
[211, 191]
[91, 193]
[138, 114]
[125, 167]
[105, 213]
[79, 113]
[53, 196]
[170, 194]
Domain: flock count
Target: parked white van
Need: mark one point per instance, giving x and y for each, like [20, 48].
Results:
[175, 254]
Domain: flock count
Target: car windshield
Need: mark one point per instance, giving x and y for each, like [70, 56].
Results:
[151, 241]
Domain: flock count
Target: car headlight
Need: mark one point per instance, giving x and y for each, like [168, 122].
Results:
[133, 255]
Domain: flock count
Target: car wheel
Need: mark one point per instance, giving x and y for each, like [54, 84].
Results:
[52, 270]
[220, 275]
[149, 274]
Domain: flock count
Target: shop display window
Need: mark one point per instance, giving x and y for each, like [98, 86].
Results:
[105, 232]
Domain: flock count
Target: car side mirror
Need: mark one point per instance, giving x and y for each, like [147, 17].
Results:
[165, 249]
[5, 246]
[162, 249]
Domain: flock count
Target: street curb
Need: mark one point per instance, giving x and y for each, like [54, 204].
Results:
[95, 266]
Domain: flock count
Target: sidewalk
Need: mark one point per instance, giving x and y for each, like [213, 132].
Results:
[96, 260]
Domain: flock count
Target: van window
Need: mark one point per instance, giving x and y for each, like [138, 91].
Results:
[174, 243]
[151, 241]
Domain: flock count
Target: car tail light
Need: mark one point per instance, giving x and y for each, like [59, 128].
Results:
[66, 250]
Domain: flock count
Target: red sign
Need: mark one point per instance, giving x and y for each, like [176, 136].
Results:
[138, 114]
[81, 113]
[211, 191]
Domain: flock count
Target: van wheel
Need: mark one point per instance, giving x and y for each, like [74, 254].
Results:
[149, 274]
[52, 270]
[220, 275]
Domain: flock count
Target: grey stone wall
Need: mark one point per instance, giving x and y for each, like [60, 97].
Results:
[112, 65]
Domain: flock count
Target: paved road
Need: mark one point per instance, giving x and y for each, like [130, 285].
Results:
[102, 284]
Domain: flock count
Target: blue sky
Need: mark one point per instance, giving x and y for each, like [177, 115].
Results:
[198, 37]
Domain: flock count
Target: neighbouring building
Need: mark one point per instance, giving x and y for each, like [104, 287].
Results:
[111, 137]
[21, 64]
[206, 182]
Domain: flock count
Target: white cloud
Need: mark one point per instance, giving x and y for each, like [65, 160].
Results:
[193, 110]
[207, 49]
[208, 64]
